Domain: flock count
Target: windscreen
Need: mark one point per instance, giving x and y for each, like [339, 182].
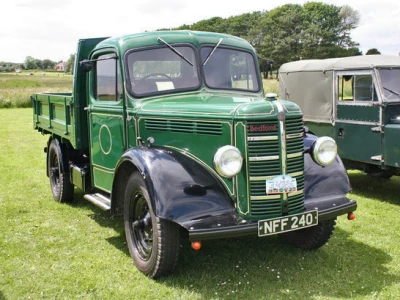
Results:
[229, 69]
[390, 82]
[162, 70]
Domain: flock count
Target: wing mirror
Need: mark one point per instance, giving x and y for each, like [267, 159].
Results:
[86, 65]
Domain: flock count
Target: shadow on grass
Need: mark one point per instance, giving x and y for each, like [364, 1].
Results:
[385, 190]
[2, 297]
[104, 219]
[267, 268]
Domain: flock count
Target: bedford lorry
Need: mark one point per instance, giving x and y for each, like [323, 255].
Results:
[171, 130]
[354, 100]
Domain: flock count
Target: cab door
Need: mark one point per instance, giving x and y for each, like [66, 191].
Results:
[358, 117]
[106, 120]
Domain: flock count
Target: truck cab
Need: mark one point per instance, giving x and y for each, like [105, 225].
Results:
[171, 130]
[356, 101]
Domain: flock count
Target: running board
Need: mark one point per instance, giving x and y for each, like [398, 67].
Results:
[99, 200]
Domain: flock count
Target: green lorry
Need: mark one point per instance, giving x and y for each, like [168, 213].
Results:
[171, 130]
[354, 100]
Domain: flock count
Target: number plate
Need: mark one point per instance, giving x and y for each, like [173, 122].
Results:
[288, 223]
[281, 184]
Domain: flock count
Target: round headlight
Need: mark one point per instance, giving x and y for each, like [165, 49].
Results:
[228, 161]
[324, 151]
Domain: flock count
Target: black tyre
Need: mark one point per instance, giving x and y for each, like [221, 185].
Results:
[313, 237]
[61, 186]
[381, 175]
[153, 243]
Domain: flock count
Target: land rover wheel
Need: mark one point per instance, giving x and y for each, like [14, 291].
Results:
[61, 186]
[153, 243]
[313, 237]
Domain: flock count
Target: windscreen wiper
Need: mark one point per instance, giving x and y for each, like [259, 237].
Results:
[174, 50]
[393, 92]
[211, 53]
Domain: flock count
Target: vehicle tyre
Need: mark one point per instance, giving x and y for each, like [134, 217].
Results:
[381, 175]
[153, 243]
[61, 186]
[313, 237]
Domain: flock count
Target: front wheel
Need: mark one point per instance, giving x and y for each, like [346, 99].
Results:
[313, 237]
[153, 243]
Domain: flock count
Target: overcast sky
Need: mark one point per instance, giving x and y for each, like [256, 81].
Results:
[51, 28]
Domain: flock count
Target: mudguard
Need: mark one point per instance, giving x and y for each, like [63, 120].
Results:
[323, 181]
[325, 187]
[181, 189]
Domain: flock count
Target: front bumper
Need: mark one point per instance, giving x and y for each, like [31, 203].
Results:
[232, 226]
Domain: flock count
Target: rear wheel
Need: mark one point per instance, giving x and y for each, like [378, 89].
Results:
[313, 237]
[153, 243]
[61, 186]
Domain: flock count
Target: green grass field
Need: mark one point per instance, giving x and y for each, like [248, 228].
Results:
[76, 251]
[16, 88]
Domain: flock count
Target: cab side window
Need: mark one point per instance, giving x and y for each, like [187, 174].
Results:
[356, 88]
[108, 78]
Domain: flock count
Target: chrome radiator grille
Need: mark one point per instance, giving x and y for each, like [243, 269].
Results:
[265, 162]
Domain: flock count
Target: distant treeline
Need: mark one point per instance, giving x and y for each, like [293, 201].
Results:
[10, 67]
[30, 63]
[34, 63]
[292, 31]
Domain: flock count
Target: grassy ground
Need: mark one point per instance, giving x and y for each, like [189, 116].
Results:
[16, 88]
[271, 86]
[69, 251]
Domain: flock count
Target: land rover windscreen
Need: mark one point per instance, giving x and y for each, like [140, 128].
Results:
[390, 83]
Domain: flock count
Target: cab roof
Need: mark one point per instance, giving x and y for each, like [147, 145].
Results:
[196, 38]
[344, 63]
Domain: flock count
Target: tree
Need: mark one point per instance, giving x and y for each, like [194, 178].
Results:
[327, 29]
[39, 64]
[349, 20]
[372, 51]
[30, 63]
[242, 25]
[280, 31]
[69, 65]
[48, 64]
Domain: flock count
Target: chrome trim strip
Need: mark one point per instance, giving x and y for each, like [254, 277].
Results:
[294, 155]
[294, 135]
[282, 136]
[262, 138]
[263, 158]
[282, 129]
[296, 193]
[353, 102]
[270, 197]
[357, 122]
[261, 178]
[296, 174]
[237, 204]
